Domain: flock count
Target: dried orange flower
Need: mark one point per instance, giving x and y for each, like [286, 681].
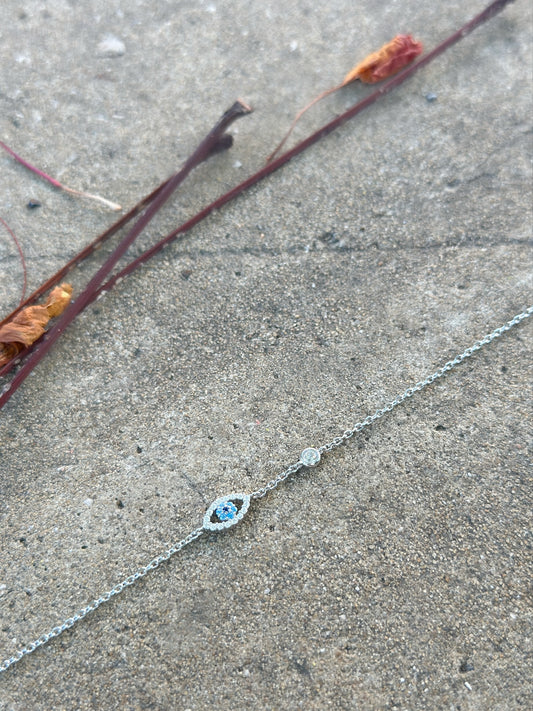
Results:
[387, 61]
[380, 65]
[29, 324]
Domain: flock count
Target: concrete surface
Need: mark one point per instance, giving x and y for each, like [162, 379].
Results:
[396, 575]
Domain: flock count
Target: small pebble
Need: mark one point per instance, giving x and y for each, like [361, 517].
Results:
[111, 46]
[466, 667]
[32, 204]
[431, 97]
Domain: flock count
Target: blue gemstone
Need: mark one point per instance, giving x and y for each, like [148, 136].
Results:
[226, 511]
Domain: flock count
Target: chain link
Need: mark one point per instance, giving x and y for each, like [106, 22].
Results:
[370, 419]
[272, 484]
[292, 469]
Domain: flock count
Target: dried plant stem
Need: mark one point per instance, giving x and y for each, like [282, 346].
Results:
[493, 9]
[90, 196]
[298, 116]
[328, 128]
[223, 144]
[215, 140]
[56, 183]
[83, 254]
[23, 261]
[388, 60]
[489, 12]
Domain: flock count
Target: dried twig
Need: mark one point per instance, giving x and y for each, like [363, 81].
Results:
[223, 144]
[489, 12]
[325, 130]
[215, 140]
[56, 183]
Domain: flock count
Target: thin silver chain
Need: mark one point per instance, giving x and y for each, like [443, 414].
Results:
[370, 419]
[105, 597]
[272, 484]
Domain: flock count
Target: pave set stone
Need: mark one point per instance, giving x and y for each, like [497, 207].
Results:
[226, 512]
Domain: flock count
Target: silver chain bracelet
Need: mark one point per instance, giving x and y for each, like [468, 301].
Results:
[227, 511]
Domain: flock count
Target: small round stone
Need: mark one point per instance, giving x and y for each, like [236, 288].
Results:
[226, 511]
[310, 457]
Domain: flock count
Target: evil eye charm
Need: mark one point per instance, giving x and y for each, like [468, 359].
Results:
[226, 512]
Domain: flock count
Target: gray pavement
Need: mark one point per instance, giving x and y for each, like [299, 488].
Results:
[397, 574]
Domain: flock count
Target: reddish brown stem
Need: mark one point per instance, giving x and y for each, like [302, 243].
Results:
[213, 141]
[274, 165]
[85, 252]
[56, 183]
[223, 144]
[298, 116]
[489, 12]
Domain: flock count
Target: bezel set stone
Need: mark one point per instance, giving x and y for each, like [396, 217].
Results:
[219, 525]
[310, 457]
